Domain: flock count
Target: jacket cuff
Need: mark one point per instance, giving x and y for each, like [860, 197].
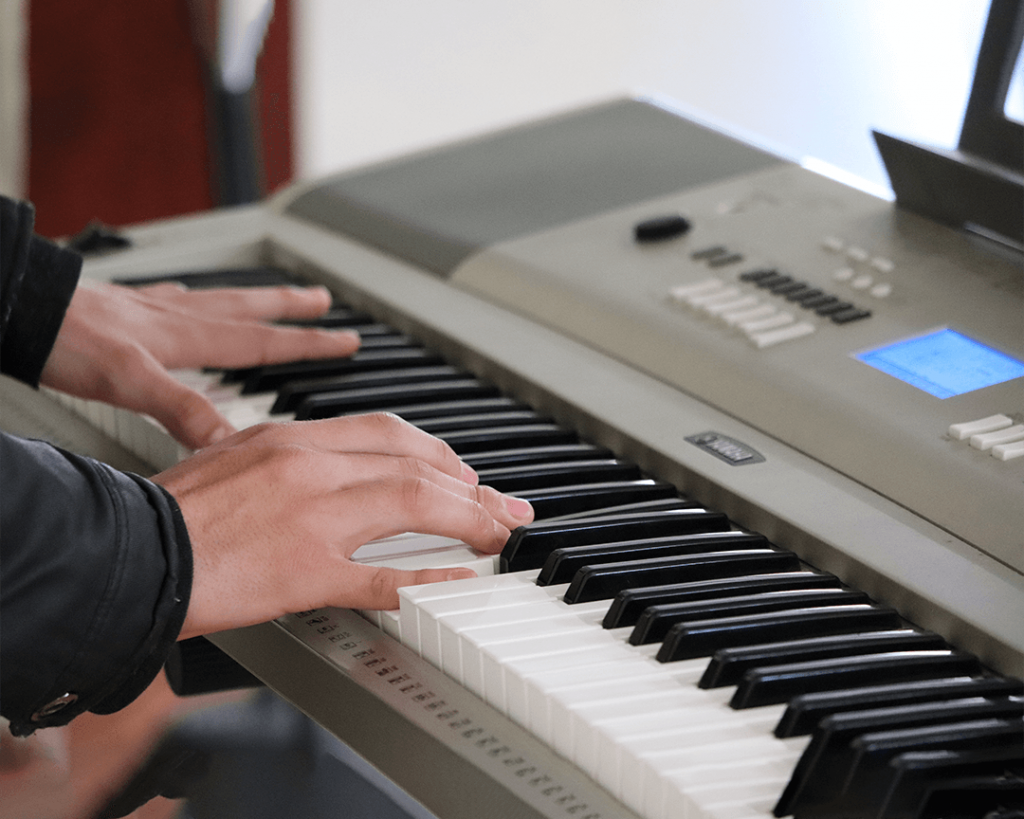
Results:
[39, 309]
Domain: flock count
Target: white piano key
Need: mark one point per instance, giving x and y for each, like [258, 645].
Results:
[423, 606]
[749, 796]
[456, 557]
[390, 623]
[626, 750]
[484, 651]
[573, 716]
[557, 717]
[482, 625]
[462, 633]
[573, 637]
[671, 779]
[445, 621]
[401, 545]
[529, 683]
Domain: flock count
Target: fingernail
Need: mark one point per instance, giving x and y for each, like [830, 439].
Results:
[348, 336]
[469, 475]
[221, 432]
[519, 508]
[460, 574]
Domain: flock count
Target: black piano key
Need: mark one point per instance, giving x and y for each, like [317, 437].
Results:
[777, 684]
[603, 582]
[819, 776]
[804, 712]
[629, 604]
[686, 641]
[560, 501]
[450, 423]
[873, 752]
[413, 413]
[293, 393]
[991, 797]
[655, 621]
[562, 564]
[728, 666]
[389, 341]
[917, 777]
[339, 316]
[577, 451]
[660, 505]
[529, 546]
[274, 376]
[487, 439]
[328, 405]
[539, 476]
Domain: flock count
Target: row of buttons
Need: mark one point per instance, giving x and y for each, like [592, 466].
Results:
[805, 295]
[863, 280]
[996, 434]
[763, 323]
[716, 256]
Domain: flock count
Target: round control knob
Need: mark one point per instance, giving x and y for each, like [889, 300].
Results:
[661, 228]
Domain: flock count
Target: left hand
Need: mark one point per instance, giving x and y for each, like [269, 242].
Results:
[117, 344]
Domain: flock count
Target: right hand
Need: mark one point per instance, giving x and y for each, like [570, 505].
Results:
[275, 512]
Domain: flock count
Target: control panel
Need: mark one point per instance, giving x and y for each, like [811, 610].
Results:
[877, 342]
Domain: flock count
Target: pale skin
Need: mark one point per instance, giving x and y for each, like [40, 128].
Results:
[274, 512]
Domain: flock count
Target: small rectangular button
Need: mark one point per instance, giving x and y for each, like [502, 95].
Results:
[986, 440]
[968, 428]
[787, 333]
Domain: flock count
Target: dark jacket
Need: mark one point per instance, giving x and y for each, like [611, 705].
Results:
[95, 564]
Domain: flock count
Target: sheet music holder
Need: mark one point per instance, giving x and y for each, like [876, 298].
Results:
[980, 185]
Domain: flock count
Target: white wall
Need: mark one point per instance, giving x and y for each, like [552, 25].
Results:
[809, 77]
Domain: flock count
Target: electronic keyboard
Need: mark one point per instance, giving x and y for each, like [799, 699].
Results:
[773, 429]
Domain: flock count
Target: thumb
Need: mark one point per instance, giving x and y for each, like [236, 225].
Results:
[376, 587]
[190, 417]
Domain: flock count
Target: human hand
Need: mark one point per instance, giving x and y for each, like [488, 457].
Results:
[116, 344]
[275, 512]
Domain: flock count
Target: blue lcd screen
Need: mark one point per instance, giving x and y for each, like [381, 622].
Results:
[944, 363]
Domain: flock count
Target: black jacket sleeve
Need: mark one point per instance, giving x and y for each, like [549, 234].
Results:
[96, 574]
[95, 564]
[37, 279]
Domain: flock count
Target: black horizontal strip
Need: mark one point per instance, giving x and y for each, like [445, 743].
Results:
[529, 546]
[655, 622]
[772, 685]
[629, 604]
[703, 638]
[603, 582]
[728, 666]
[562, 564]
[805, 711]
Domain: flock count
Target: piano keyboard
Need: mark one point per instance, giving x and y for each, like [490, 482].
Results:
[672, 656]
